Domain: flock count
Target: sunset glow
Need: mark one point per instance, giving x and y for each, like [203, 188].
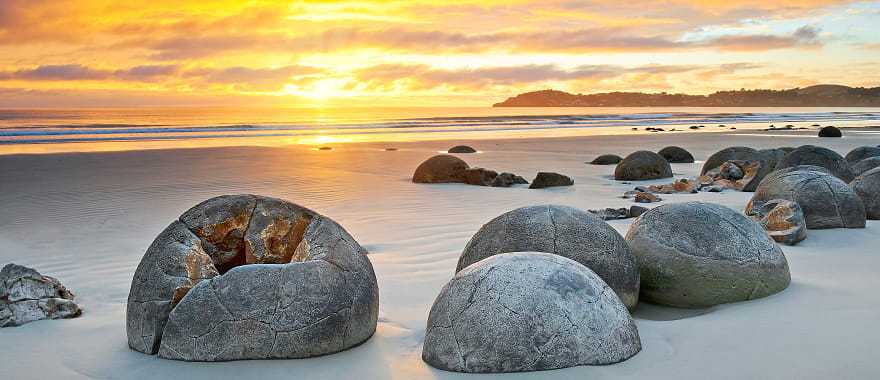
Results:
[396, 53]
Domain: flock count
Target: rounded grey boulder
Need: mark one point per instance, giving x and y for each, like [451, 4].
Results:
[862, 153]
[818, 156]
[462, 149]
[642, 165]
[699, 254]
[772, 157]
[830, 131]
[864, 165]
[867, 187]
[606, 159]
[676, 155]
[441, 168]
[251, 277]
[735, 153]
[565, 231]
[827, 202]
[527, 311]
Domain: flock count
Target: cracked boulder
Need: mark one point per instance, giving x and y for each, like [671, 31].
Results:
[642, 165]
[27, 296]
[827, 202]
[864, 165]
[734, 153]
[867, 187]
[783, 220]
[862, 153]
[251, 277]
[527, 311]
[699, 254]
[565, 231]
[818, 156]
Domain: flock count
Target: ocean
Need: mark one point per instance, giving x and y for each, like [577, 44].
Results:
[114, 129]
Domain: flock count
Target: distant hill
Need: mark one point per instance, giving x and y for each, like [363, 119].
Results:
[825, 95]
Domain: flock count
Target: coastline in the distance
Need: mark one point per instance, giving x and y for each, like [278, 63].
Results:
[826, 95]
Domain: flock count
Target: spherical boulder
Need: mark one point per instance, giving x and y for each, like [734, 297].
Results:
[867, 187]
[772, 157]
[699, 254]
[827, 201]
[441, 168]
[527, 311]
[607, 159]
[461, 149]
[734, 153]
[864, 165]
[550, 179]
[642, 165]
[565, 231]
[818, 156]
[862, 153]
[676, 155]
[251, 277]
[830, 131]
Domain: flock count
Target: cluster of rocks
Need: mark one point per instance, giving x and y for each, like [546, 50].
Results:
[445, 168]
[251, 277]
[610, 213]
[27, 296]
[782, 219]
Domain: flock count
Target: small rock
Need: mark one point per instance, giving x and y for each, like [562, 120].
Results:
[637, 211]
[783, 220]
[730, 171]
[611, 213]
[507, 180]
[325, 148]
[390, 149]
[642, 197]
[27, 296]
[830, 131]
[462, 149]
[479, 176]
[607, 159]
[549, 179]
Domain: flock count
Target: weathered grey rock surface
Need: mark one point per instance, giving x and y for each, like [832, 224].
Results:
[864, 165]
[642, 165]
[549, 179]
[771, 157]
[27, 296]
[607, 159]
[676, 155]
[827, 202]
[251, 277]
[818, 156]
[441, 168]
[867, 187]
[565, 231]
[462, 149]
[527, 311]
[783, 219]
[699, 254]
[862, 153]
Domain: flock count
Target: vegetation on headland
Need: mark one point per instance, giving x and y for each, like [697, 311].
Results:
[813, 96]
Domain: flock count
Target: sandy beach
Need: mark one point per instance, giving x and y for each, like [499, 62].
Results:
[87, 218]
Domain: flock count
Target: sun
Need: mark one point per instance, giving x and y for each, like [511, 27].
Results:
[323, 89]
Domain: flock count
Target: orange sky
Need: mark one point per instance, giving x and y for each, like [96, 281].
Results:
[420, 53]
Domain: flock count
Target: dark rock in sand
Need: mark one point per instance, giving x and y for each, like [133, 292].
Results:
[325, 148]
[390, 149]
[676, 155]
[699, 254]
[479, 176]
[862, 153]
[442, 168]
[867, 187]
[507, 180]
[864, 165]
[830, 131]
[565, 231]
[462, 149]
[783, 219]
[548, 179]
[642, 165]
[527, 311]
[607, 159]
[827, 202]
[637, 211]
[736, 153]
[251, 277]
[818, 156]
[27, 296]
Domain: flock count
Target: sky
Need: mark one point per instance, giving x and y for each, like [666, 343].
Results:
[89, 53]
